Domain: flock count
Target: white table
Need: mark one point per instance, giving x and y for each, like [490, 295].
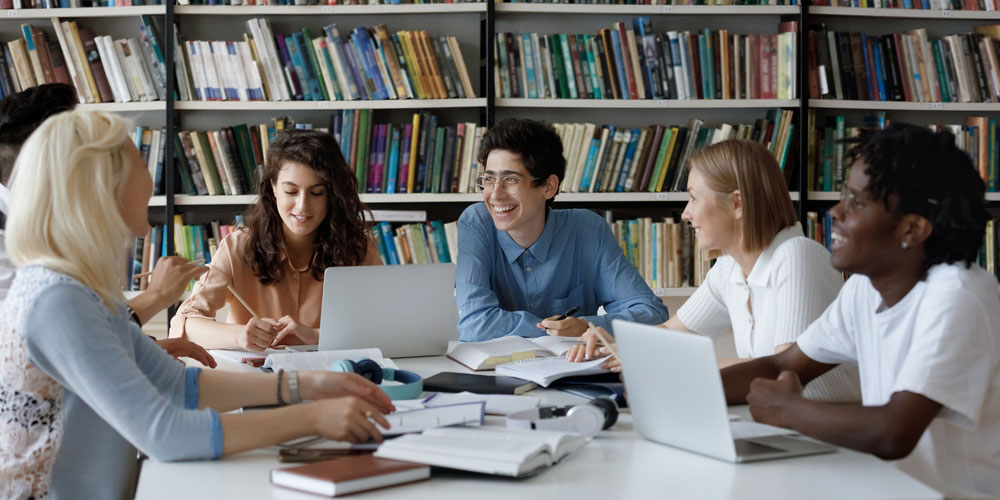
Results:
[616, 464]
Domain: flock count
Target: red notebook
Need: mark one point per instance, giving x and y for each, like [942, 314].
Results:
[349, 474]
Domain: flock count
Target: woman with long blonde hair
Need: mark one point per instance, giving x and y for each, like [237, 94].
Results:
[772, 281]
[81, 388]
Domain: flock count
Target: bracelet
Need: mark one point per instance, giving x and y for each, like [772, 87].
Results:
[132, 315]
[293, 387]
[281, 400]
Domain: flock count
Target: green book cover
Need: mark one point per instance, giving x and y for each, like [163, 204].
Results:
[787, 146]
[440, 241]
[942, 76]
[386, 166]
[361, 163]
[660, 158]
[567, 57]
[245, 149]
[187, 184]
[828, 140]
[502, 66]
[991, 176]
[438, 154]
[209, 168]
[188, 239]
[560, 67]
[315, 62]
[210, 164]
[334, 83]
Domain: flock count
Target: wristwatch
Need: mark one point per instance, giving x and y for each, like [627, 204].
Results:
[293, 387]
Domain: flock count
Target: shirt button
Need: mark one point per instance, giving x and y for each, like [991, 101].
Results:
[532, 304]
[528, 269]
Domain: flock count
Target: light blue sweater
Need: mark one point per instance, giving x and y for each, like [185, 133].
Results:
[122, 391]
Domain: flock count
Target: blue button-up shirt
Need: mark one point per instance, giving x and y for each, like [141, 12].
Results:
[504, 289]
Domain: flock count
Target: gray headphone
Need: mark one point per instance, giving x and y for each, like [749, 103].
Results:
[588, 419]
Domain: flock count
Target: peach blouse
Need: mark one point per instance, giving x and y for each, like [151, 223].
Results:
[298, 295]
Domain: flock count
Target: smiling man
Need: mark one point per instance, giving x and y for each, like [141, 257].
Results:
[522, 265]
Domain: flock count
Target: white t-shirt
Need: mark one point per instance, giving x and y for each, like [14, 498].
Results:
[6, 266]
[790, 285]
[939, 341]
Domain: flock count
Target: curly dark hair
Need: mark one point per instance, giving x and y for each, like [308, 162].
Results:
[23, 112]
[341, 239]
[914, 170]
[537, 144]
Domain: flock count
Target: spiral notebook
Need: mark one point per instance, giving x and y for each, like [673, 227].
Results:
[544, 371]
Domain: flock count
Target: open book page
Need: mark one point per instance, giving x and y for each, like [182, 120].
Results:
[488, 354]
[544, 371]
[321, 360]
[556, 345]
[242, 356]
[557, 444]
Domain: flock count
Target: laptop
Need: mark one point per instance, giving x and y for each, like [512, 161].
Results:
[689, 411]
[405, 311]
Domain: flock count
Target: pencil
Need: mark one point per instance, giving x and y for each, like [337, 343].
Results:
[196, 262]
[605, 341]
[233, 291]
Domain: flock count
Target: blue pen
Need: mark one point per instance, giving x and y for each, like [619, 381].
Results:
[429, 398]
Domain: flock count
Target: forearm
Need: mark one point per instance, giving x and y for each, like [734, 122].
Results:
[147, 304]
[212, 334]
[736, 378]
[868, 429]
[225, 391]
[493, 322]
[257, 429]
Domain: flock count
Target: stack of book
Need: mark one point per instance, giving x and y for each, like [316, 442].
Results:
[663, 2]
[67, 4]
[606, 158]
[101, 69]
[664, 252]
[193, 242]
[632, 62]
[911, 4]
[905, 66]
[977, 136]
[151, 144]
[370, 64]
[431, 242]
[415, 157]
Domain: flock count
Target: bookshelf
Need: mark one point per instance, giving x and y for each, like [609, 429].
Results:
[332, 10]
[651, 104]
[280, 106]
[647, 10]
[84, 12]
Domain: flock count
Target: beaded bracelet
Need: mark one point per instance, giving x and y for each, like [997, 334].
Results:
[281, 401]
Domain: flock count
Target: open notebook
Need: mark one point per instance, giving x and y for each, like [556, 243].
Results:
[274, 359]
[487, 355]
[544, 371]
[489, 450]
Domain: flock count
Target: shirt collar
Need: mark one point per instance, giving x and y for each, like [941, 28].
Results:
[539, 249]
[763, 271]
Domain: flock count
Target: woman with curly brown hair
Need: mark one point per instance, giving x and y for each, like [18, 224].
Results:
[308, 218]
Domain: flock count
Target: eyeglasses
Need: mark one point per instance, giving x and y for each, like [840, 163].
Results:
[850, 198]
[510, 183]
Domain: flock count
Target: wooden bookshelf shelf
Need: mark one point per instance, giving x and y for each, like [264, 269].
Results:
[158, 201]
[992, 196]
[311, 10]
[380, 198]
[904, 13]
[118, 107]
[151, 10]
[646, 103]
[649, 10]
[311, 105]
[674, 292]
[983, 107]
[824, 196]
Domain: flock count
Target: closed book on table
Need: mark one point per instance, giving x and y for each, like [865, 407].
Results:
[479, 384]
[349, 474]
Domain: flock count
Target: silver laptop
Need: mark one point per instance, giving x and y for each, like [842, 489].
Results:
[406, 310]
[676, 398]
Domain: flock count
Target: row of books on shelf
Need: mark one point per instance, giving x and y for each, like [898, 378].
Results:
[606, 158]
[989, 5]
[433, 242]
[100, 68]
[319, 2]
[151, 143]
[976, 135]
[664, 252]
[370, 64]
[191, 241]
[906, 66]
[72, 4]
[658, 2]
[419, 156]
[633, 62]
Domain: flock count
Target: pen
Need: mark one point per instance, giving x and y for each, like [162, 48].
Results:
[428, 398]
[605, 341]
[569, 312]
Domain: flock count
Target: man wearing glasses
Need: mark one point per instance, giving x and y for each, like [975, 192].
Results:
[523, 268]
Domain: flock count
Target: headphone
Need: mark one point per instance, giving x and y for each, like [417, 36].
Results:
[587, 419]
[412, 386]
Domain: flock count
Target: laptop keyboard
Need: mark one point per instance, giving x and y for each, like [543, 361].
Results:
[746, 447]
